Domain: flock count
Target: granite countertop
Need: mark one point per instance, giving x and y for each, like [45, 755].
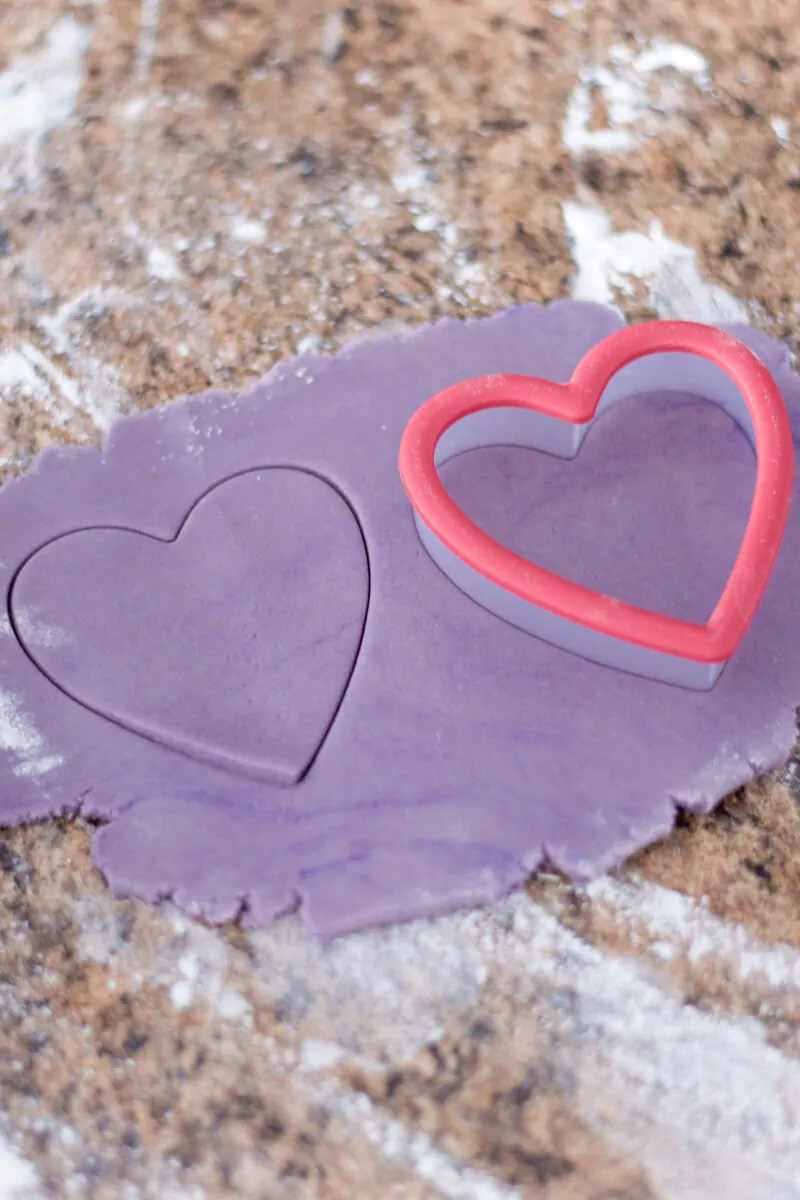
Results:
[193, 189]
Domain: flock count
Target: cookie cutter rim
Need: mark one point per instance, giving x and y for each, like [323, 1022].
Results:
[555, 417]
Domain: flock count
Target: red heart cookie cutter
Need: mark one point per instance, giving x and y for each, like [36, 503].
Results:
[555, 417]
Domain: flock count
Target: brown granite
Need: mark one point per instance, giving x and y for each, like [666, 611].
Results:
[492, 1096]
[743, 859]
[396, 162]
[147, 1094]
[740, 863]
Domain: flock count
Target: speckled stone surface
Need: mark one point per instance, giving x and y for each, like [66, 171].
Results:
[190, 191]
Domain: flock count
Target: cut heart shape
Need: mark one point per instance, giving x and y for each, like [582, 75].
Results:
[233, 643]
[554, 417]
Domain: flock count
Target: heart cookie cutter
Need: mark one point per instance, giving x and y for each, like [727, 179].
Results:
[520, 410]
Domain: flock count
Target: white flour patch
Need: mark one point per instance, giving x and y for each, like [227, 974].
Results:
[701, 1102]
[640, 91]
[35, 632]
[381, 995]
[20, 738]
[609, 263]
[161, 265]
[365, 203]
[316, 1054]
[38, 93]
[782, 130]
[193, 964]
[249, 231]
[135, 108]
[25, 372]
[679, 925]
[661, 55]
[201, 971]
[19, 379]
[61, 386]
[368, 77]
[45, 383]
[19, 1179]
[18, 375]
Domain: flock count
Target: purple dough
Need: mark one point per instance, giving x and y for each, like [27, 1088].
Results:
[464, 751]
[216, 644]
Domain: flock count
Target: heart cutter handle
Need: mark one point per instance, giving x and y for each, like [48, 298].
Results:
[520, 410]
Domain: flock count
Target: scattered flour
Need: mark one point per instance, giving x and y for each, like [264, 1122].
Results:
[333, 37]
[161, 263]
[148, 33]
[640, 92]
[415, 183]
[608, 263]
[19, 379]
[316, 1054]
[38, 93]
[18, 1178]
[135, 108]
[203, 967]
[782, 130]
[18, 374]
[39, 633]
[560, 11]
[700, 1101]
[368, 77]
[23, 741]
[26, 372]
[193, 965]
[380, 995]
[162, 266]
[412, 1149]
[35, 632]
[249, 231]
[98, 392]
[678, 925]
[61, 386]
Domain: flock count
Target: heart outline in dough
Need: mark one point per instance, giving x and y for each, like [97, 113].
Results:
[296, 761]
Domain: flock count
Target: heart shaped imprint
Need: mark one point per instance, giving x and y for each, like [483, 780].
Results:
[233, 643]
